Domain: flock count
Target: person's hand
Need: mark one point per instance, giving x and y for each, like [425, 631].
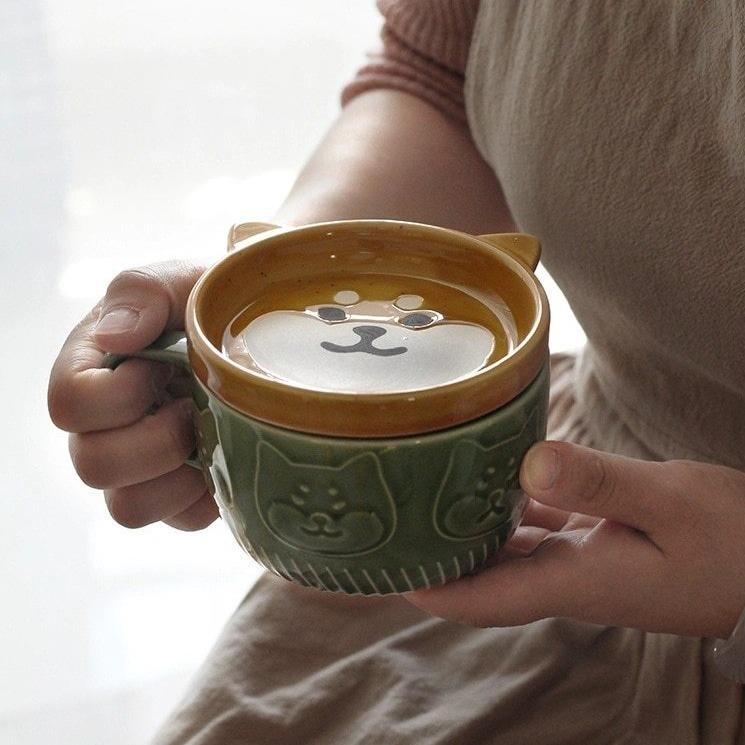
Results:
[614, 541]
[131, 433]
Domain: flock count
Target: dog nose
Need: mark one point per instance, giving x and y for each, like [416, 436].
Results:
[369, 332]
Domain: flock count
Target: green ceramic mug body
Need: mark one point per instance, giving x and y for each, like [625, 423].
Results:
[366, 494]
[371, 516]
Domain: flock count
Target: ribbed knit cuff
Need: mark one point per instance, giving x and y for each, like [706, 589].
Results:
[424, 52]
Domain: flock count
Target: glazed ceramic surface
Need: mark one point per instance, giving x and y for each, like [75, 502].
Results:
[494, 265]
[366, 492]
[370, 516]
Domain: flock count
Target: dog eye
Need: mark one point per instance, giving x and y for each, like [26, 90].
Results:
[330, 313]
[418, 320]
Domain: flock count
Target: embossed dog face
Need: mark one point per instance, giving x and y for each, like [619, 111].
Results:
[354, 345]
[341, 510]
[480, 487]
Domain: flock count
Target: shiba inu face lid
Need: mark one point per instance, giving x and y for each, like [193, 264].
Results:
[362, 341]
[368, 328]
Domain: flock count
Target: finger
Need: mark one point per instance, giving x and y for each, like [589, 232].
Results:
[199, 515]
[83, 397]
[158, 499]
[514, 591]
[523, 542]
[577, 520]
[141, 303]
[142, 451]
[592, 575]
[579, 479]
[543, 516]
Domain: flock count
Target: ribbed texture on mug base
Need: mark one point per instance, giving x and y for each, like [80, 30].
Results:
[355, 580]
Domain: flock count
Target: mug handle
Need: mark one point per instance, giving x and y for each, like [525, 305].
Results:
[169, 347]
[521, 246]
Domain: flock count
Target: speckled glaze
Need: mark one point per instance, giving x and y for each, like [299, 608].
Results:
[370, 516]
[498, 264]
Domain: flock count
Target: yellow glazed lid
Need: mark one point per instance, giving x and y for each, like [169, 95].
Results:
[368, 328]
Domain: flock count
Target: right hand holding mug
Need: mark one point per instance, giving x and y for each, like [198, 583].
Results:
[614, 541]
[116, 443]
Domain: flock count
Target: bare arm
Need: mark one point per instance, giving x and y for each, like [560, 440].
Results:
[392, 155]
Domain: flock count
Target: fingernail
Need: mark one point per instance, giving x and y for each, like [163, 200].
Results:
[117, 321]
[541, 467]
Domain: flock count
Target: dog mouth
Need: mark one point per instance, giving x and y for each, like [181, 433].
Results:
[367, 334]
[320, 523]
[494, 508]
[321, 531]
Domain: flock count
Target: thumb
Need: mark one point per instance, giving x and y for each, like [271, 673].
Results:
[142, 303]
[579, 479]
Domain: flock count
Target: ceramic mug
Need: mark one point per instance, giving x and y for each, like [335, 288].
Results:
[365, 492]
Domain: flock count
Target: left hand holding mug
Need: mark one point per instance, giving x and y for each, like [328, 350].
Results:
[614, 541]
[136, 457]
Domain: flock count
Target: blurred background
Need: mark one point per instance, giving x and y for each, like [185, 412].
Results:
[131, 132]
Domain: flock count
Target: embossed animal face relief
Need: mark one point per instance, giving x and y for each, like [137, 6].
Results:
[478, 492]
[341, 510]
[364, 346]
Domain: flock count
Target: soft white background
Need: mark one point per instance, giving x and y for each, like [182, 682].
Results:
[131, 131]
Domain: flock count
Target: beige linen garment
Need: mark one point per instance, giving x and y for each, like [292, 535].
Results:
[618, 131]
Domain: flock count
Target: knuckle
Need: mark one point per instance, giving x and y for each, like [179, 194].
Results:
[132, 278]
[122, 508]
[150, 286]
[601, 485]
[141, 285]
[65, 399]
[195, 514]
[86, 461]
[695, 493]
[70, 403]
[61, 404]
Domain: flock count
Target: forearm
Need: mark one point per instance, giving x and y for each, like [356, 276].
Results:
[390, 155]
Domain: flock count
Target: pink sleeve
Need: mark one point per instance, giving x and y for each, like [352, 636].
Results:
[424, 52]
